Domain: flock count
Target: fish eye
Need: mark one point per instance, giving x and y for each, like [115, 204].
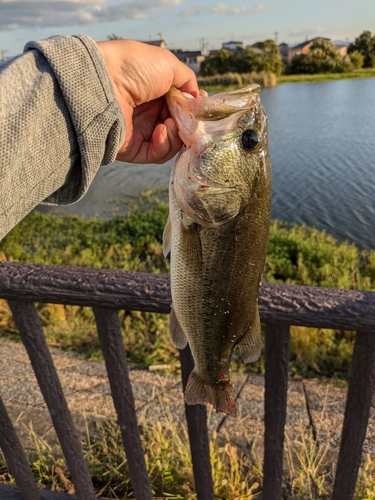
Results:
[250, 139]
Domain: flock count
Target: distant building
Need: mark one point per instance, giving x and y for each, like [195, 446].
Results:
[213, 53]
[284, 52]
[303, 48]
[192, 58]
[257, 46]
[233, 46]
[341, 47]
[156, 43]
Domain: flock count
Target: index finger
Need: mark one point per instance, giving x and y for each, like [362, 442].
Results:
[184, 78]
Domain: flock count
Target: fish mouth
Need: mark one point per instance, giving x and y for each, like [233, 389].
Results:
[197, 195]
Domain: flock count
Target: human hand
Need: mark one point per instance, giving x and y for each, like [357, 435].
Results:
[142, 74]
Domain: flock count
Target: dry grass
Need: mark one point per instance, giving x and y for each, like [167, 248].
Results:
[237, 473]
[238, 80]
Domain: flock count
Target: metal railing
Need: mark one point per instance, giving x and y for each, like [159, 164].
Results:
[109, 291]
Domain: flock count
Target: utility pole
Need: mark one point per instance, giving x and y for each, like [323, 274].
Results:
[3, 55]
[203, 46]
[276, 34]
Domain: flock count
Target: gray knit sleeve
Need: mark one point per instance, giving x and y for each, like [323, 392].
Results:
[60, 122]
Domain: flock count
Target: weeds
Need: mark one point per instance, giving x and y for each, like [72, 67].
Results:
[238, 80]
[168, 460]
[237, 473]
[310, 477]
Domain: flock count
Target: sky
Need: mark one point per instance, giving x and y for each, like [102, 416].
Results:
[184, 24]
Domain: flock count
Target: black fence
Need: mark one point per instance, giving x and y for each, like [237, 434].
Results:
[109, 291]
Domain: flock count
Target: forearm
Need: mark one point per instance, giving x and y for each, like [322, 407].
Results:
[60, 121]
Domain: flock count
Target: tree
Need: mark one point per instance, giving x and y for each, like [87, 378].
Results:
[223, 62]
[357, 59]
[264, 57]
[321, 58]
[113, 37]
[365, 44]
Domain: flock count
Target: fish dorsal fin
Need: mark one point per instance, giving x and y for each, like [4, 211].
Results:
[177, 334]
[251, 344]
[167, 237]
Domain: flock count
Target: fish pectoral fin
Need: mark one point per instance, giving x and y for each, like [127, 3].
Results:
[251, 344]
[177, 334]
[167, 237]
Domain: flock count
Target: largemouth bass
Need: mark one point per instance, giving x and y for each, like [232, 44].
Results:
[217, 233]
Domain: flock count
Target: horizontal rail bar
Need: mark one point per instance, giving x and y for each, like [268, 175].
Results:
[85, 287]
[292, 304]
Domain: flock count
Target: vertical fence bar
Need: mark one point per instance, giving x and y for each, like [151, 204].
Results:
[31, 332]
[15, 457]
[276, 387]
[196, 416]
[112, 345]
[357, 411]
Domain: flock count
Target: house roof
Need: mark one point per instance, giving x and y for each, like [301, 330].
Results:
[180, 54]
[307, 42]
[156, 43]
[232, 41]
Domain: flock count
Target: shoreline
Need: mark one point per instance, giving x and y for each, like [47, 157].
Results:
[304, 78]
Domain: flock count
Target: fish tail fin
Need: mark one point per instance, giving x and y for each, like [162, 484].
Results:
[219, 395]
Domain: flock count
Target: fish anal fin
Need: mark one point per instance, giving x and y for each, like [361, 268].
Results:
[219, 395]
[177, 334]
[167, 237]
[250, 345]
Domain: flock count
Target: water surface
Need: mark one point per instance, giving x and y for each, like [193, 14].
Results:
[323, 156]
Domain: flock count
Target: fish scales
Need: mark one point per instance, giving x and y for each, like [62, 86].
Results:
[217, 232]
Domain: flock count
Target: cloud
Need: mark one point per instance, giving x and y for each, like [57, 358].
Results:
[29, 13]
[222, 8]
[194, 10]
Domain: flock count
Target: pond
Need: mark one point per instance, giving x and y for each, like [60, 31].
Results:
[322, 141]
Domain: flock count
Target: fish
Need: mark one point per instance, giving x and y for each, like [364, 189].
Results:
[217, 234]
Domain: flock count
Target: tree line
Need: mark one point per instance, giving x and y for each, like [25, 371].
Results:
[321, 58]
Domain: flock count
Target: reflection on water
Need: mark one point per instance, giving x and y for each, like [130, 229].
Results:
[323, 156]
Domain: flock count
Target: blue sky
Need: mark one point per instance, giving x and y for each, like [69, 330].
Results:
[184, 23]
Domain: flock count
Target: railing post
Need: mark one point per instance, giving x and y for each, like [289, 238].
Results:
[112, 345]
[275, 398]
[15, 457]
[357, 411]
[196, 416]
[31, 331]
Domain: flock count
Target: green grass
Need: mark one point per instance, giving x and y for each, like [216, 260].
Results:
[296, 255]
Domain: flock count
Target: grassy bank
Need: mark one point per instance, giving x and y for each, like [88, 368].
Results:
[296, 254]
[325, 77]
